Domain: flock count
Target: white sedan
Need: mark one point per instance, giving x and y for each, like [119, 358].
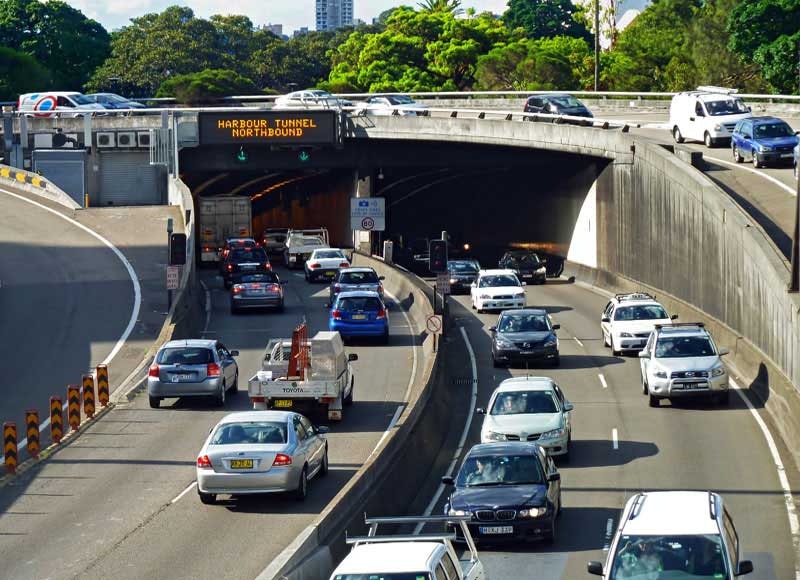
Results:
[325, 263]
[308, 99]
[497, 290]
[402, 105]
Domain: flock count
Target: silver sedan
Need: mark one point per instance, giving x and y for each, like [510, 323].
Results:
[261, 452]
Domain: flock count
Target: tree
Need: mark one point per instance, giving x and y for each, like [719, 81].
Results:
[299, 63]
[20, 73]
[545, 18]
[58, 36]
[449, 6]
[206, 86]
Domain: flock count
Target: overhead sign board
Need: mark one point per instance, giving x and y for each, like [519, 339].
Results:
[368, 214]
[265, 127]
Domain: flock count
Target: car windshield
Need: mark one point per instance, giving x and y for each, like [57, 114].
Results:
[266, 278]
[498, 281]
[462, 267]
[275, 237]
[255, 432]
[524, 402]
[528, 260]
[683, 347]
[367, 303]
[566, 101]
[185, 355]
[500, 470]
[250, 255]
[523, 323]
[648, 312]
[81, 99]
[359, 278]
[400, 100]
[328, 255]
[675, 557]
[381, 576]
[767, 131]
[726, 107]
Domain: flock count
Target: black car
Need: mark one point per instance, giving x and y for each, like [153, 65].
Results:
[512, 490]
[524, 336]
[462, 274]
[557, 105]
[528, 266]
[244, 261]
[234, 244]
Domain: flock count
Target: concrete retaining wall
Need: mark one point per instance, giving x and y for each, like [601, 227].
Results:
[36, 184]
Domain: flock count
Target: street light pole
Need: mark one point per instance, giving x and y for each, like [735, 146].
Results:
[596, 45]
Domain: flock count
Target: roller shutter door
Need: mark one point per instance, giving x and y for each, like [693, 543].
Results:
[127, 178]
[66, 169]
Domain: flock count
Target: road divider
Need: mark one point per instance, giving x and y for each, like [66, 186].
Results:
[74, 410]
[36, 184]
[102, 385]
[10, 446]
[32, 432]
[88, 396]
[56, 420]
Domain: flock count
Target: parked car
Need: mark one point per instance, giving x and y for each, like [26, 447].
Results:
[261, 452]
[528, 266]
[497, 290]
[402, 105]
[512, 491]
[244, 261]
[325, 264]
[529, 409]
[682, 361]
[524, 336]
[360, 314]
[462, 274]
[192, 368]
[708, 114]
[763, 140]
[628, 319]
[674, 534]
[308, 99]
[112, 101]
[263, 290]
[63, 103]
[355, 279]
[557, 104]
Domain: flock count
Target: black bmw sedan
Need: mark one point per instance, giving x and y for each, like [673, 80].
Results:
[524, 336]
[512, 490]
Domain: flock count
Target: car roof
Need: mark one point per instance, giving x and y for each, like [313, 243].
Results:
[359, 294]
[765, 120]
[504, 448]
[497, 272]
[672, 513]
[328, 250]
[523, 311]
[390, 557]
[257, 416]
[685, 329]
[358, 269]
[525, 384]
[191, 342]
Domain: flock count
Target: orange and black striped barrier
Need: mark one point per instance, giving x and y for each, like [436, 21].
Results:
[56, 420]
[10, 446]
[32, 431]
[88, 396]
[102, 385]
[74, 406]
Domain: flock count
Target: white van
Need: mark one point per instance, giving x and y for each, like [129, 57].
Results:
[60, 103]
[708, 114]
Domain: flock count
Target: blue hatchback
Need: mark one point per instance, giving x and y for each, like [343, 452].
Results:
[360, 313]
[763, 140]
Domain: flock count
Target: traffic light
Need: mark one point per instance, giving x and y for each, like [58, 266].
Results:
[241, 156]
[177, 249]
[304, 155]
[438, 256]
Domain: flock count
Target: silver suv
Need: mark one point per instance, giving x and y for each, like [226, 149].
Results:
[674, 534]
[681, 360]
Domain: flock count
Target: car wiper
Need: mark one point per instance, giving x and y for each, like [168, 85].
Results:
[523, 482]
[487, 484]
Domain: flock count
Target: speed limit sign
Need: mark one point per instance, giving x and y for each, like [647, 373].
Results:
[367, 223]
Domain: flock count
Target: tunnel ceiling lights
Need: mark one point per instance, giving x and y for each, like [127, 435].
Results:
[272, 188]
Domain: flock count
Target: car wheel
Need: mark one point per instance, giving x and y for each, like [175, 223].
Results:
[473, 305]
[219, 399]
[385, 338]
[207, 498]
[737, 157]
[308, 278]
[676, 134]
[348, 400]
[323, 469]
[155, 402]
[654, 401]
[280, 307]
[301, 493]
[707, 139]
[235, 385]
[614, 350]
[757, 163]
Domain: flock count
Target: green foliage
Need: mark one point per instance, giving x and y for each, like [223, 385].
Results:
[449, 6]
[58, 36]
[545, 18]
[206, 86]
[299, 63]
[20, 73]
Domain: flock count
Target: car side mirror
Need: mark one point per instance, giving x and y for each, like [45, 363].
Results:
[554, 477]
[595, 568]
[321, 429]
[480, 411]
[352, 357]
[524, 283]
[492, 329]
[210, 429]
[234, 353]
[723, 351]
[674, 317]
[605, 319]
[474, 284]
[448, 480]
[556, 327]
[644, 354]
[749, 109]
[267, 357]
[568, 406]
[745, 567]
[381, 277]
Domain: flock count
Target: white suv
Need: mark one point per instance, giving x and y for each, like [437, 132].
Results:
[497, 290]
[674, 534]
[681, 360]
[628, 320]
[708, 114]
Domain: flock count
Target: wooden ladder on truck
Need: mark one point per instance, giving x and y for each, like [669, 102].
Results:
[299, 357]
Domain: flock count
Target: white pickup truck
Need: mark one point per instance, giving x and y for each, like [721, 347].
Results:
[420, 556]
[323, 382]
[300, 244]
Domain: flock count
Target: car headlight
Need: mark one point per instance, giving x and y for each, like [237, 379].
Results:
[717, 127]
[484, 297]
[453, 280]
[551, 340]
[532, 512]
[625, 335]
[493, 436]
[452, 512]
[660, 374]
[554, 434]
[541, 270]
[766, 148]
[503, 343]
[718, 371]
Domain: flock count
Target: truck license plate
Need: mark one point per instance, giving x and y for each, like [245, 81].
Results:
[283, 403]
[496, 529]
[241, 464]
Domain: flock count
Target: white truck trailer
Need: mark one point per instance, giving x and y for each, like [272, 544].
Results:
[219, 218]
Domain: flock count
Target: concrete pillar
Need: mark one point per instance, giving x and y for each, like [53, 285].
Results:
[363, 188]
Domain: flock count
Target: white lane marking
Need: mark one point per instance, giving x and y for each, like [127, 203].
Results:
[137, 291]
[791, 509]
[298, 275]
[467, 425]
[414, 355]
[575, 338]
[615, 438]
[766, 176]
[602, 380]
[388, 430]
[184, 492]
[208, 306]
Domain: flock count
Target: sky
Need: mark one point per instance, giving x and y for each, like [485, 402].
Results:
[292, 14]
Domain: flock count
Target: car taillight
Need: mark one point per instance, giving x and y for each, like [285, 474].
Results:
[203, 462]
[381, 313]
[380, 289]
[337, 314]
[230, 267]
[267, 266]
[337, 288]
[344, 265]
[313, 266]
[275, 287]
[212, 370]
[153, 371]
[237, 289]
[281, 460]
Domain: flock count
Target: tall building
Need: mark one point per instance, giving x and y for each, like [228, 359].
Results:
[333, 14]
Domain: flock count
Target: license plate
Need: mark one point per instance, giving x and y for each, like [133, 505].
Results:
[496, 529]
[359, 316]
[787, 155]
[248, 267]
[241, 464]
[282, 403]
[330, 274]
[256, 292]
[177, 378]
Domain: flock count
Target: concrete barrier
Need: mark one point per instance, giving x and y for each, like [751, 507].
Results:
[36, 184]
